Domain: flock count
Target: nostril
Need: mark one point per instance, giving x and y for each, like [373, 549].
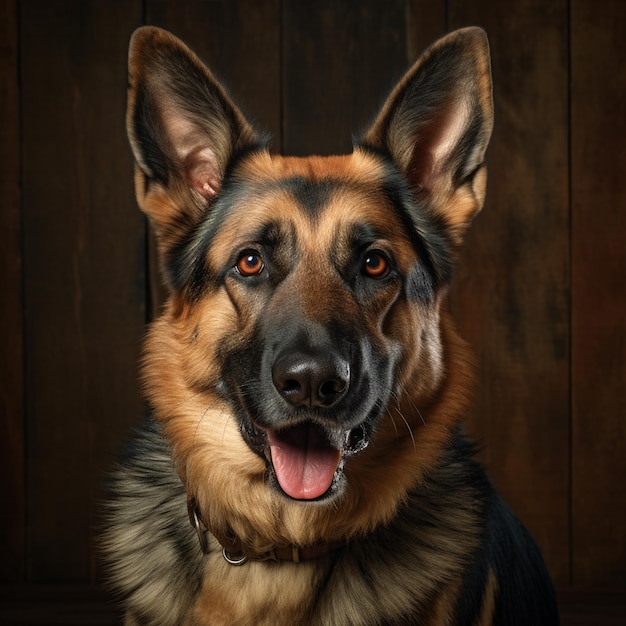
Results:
[294, 391]
[291, 387]
[330, 390]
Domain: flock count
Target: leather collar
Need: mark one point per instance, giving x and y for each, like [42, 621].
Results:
[235, 553]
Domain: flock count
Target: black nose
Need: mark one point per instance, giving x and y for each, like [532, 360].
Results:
[311, 380]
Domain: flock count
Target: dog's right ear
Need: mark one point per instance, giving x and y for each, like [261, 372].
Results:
[183, 129]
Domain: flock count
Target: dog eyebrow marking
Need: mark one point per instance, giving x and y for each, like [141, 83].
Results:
[359, 236]
[352, 243]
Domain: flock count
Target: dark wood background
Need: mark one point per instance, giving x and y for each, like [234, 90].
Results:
[540, 294]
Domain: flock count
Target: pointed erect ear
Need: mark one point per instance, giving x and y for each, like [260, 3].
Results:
[436, 125]
[183, 129]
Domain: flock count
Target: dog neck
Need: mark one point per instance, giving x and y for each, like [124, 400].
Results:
[236, 553]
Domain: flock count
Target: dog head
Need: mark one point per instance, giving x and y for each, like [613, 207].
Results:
[302, 350]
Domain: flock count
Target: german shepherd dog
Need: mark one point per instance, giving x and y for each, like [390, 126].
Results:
[303, 460]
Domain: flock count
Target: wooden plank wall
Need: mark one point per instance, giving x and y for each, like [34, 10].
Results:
[512, 296]
[12, 448]
[83, 255]
[540, 294]
[598, 227]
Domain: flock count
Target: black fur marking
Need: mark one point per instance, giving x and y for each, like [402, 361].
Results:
[145, 118]
[463, 151]
[419, 284]
[526, 592]
[427, 234]
[312, 196]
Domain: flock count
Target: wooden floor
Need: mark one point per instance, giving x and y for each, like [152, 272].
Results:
[69, 606]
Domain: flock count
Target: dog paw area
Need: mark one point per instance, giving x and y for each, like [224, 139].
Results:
[203, 121]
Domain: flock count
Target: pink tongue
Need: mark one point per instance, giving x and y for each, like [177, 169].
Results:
[304, 461]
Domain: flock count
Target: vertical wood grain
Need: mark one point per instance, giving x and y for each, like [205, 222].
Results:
[598, 292]
[512, 288]
[318, 55]
[12, 489]
[426, 22]
[340, 59]
[380, 57]
[84, 271]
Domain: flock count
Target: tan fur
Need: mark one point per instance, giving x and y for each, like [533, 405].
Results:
[230, 596]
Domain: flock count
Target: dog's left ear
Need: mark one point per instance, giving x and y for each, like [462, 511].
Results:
[436, 125]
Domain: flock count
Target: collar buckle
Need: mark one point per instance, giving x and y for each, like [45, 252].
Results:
[234, 559]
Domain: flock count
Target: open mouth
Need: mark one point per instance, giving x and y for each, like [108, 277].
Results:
[306, 463]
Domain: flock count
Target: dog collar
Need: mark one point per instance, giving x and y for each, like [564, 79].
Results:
[234, 552]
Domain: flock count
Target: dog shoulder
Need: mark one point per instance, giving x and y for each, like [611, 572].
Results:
[525, 591]
[505, 582]
[153, 554]
[454, 554]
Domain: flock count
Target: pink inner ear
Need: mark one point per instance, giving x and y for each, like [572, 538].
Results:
[438, 139]
[203, 173]
[421, 170]
[200, 163]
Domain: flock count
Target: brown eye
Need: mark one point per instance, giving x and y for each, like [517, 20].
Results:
[375, 265]
[250, 264]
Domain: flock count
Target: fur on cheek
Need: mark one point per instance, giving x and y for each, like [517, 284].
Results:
[420, 370]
